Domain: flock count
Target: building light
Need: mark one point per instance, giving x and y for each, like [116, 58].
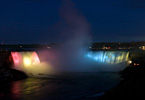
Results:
[130, 62]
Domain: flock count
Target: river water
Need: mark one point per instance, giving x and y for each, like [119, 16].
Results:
[70, 86]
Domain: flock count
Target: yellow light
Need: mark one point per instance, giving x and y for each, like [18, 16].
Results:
[27, 61]
[129, 62]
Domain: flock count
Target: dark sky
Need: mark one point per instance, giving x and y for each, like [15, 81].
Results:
[41, 21]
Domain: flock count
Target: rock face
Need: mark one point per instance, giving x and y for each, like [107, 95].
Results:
[132, 86]
[11, 74]
[6, 72]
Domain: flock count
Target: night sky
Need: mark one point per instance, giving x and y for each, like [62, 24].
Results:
[41, 21]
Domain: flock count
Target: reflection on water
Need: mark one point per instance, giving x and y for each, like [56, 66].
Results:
[15, 90]
[112, 57]
[67, 87]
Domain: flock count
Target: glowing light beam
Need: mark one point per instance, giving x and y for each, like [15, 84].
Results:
[35, 58]
[27, 61]
[15, 57]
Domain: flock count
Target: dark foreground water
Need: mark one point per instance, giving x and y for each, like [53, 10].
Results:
[72, 86]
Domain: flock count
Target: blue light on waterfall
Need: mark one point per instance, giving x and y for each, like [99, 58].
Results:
[108, 56]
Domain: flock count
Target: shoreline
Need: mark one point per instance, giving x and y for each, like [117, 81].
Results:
[132, 85]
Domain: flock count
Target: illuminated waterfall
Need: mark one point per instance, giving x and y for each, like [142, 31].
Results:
[28, 58]
[109, 60]
[111, 57]
[29, 63]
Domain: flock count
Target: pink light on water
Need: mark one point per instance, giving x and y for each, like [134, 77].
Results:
[35, 58]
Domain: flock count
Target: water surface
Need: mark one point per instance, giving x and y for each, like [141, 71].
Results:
[70, 86]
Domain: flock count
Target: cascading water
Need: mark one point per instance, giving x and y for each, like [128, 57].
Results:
[110, 57]
[109, 60]
[30, 63]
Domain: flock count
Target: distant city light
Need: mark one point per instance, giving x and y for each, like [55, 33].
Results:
[142, 47]
[130, 62]
[108, 48]
[48, 47]
[135, 64]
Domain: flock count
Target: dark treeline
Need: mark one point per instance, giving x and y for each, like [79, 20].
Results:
[95, 45]
[117, 44]
[22, 46]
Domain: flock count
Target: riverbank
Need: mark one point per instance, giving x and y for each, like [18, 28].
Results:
[11, 75]
[6, 72]
[132, 85]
